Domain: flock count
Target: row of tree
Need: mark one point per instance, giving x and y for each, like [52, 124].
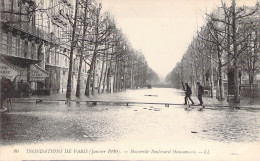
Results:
[94, 38]
[228, 43]
[102, 40]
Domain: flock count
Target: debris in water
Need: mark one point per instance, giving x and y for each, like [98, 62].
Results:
[151, 95]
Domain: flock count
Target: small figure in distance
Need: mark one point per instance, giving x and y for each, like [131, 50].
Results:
[188, 93]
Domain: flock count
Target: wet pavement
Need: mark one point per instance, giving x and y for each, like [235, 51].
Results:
[31, 123]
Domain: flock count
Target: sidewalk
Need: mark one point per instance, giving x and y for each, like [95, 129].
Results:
[244, 103]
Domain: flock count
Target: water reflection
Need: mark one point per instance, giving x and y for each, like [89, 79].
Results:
[31, 122]
[231, 125]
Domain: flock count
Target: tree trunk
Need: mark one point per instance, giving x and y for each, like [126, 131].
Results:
[115, 77]
[105, 75]
[221, 97]
[101, 75]
[93, 92]
[236, 70]
[211, 76]
[73, 44]
[82, 48]
[228, 49]
[109, 76]
[131, 74]
[93, 61]
[108, 80]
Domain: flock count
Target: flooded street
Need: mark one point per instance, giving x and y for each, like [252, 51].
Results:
[36, 124]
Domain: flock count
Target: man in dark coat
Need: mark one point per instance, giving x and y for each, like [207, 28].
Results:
[200, 93]
[188, 93]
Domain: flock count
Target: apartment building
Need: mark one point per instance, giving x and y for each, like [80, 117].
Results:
[35, 44]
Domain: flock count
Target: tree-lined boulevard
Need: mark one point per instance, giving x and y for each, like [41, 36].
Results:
[227, 46]
[74, 87]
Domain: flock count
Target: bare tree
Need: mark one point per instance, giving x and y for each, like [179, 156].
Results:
[85, 27]
[228, 37]
[72, 47]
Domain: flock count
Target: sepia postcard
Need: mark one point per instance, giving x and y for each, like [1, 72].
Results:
[130, 80]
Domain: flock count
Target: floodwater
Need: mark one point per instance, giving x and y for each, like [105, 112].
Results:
[134, 125]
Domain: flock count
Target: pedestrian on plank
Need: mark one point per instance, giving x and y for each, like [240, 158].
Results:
[200, 93]
[188, 93]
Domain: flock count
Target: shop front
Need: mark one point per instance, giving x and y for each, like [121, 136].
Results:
[26, 77]
[37, 80]
[13, 75]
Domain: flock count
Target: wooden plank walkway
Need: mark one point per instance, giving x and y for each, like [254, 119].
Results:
[127, 103]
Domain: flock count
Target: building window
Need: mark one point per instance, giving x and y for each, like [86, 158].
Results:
[4, 46]
[25, 48]
[52, 61]
[36, 54]
[22, 44]
[9, 43]
[13, 46]
[57, 56]
[47, 52]
[29, 54]
[33, 51]
[18, 47]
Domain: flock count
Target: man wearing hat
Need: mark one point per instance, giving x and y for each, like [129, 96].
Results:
[188, 93]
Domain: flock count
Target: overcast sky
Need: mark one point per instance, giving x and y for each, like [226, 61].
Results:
[161, 29]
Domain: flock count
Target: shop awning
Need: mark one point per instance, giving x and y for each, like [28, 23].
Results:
[9, 70]
[37, 73]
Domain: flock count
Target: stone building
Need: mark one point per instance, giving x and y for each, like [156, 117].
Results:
[21, 44]
[35, 44]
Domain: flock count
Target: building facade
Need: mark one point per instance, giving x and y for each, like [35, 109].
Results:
[35, 44]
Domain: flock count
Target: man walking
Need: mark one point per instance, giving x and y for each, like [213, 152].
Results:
[188, 93]
[200, 92]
